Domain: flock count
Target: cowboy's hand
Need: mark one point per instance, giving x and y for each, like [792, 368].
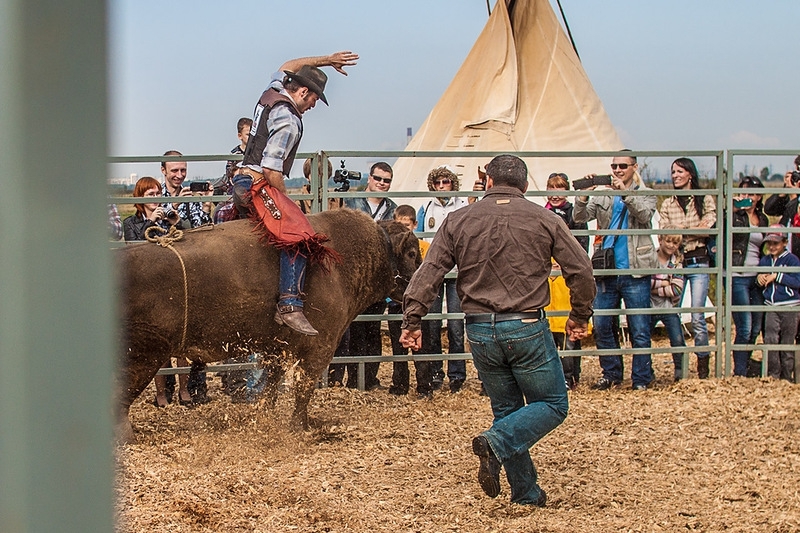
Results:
[339, 60]
[575, 330]
[411, 339]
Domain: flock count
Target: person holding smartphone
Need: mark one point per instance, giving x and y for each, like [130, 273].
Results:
[629, 251]
[746, 251]
[194, 214]
[784, 205]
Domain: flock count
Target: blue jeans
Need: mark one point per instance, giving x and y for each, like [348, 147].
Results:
[672, 323]
[293, 270]
[745, 291]
[699, 286]
[456, 370]
[635, 292]
[521, 372]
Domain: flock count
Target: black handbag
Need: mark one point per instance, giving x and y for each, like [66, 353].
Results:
[604, 259]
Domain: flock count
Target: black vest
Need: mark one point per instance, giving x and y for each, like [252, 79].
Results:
[258, 139]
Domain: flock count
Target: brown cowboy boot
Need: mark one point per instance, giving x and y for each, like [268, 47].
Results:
[292, 316]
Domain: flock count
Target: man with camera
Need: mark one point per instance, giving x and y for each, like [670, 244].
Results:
[193, 214]
[622, 252]
[365, 337]
[785, 206]
[379, 180]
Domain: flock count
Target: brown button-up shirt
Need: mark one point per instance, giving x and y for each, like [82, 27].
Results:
[503, 247]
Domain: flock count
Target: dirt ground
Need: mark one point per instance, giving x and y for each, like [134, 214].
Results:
[711, 455]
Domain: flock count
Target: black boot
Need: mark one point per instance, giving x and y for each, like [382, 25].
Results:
[702, 367]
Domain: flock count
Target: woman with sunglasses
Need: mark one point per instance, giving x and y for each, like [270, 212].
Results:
[692, 212]
[430, 217]
[636, 251]
[747, 251]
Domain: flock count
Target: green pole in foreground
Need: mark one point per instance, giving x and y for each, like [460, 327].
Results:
[56, 308]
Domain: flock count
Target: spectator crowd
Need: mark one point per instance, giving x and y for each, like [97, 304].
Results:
[673, 257]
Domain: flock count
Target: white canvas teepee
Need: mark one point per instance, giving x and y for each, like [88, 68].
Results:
[521, 88]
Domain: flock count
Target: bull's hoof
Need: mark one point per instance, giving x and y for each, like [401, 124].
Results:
[123, 433]
[292, 316]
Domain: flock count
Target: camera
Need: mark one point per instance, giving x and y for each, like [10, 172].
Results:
[199, 186]
[344, 176]
[171, 216]
[795, 177]
[585, 183]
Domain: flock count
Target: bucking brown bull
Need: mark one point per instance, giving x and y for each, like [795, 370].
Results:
[225, 302]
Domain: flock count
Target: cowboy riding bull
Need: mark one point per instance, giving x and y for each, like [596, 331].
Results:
[212, 294]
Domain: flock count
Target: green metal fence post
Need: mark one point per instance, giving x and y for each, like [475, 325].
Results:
[56, 316]
[721, 318]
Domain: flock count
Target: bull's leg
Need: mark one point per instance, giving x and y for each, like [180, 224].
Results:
[275, 373]
[133, 379]
[145, 354]
[312, 366]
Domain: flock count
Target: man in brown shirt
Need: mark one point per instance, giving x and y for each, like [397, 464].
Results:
[503, 246]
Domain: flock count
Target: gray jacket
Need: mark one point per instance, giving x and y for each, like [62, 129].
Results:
[641, 252]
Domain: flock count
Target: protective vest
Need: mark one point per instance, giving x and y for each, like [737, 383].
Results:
[258, 139]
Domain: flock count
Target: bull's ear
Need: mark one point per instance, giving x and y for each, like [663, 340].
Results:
[398, 241]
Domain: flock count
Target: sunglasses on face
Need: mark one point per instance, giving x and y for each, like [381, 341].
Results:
[443, 181]
[381, 180]
[621, 166]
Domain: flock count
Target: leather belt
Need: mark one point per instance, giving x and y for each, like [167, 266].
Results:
[492, 318]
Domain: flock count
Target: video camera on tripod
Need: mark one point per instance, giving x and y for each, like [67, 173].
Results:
[344, 176]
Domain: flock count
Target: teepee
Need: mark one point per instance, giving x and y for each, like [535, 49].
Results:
[521, 88]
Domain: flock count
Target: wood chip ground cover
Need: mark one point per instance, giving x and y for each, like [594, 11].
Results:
[712, 455]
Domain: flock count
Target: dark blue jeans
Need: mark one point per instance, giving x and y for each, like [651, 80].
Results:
[672, 323]
[456, 370]
[745, 291]
[635, 292]
[292, 277]
[521, 372]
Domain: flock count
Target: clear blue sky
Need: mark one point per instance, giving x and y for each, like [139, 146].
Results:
[673, 74]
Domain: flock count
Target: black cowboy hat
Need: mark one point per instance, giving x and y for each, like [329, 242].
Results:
[311, 77]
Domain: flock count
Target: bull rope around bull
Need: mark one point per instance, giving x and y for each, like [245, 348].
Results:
[165, 241]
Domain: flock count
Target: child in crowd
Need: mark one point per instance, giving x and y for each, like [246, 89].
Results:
[407, 216]
[782, 288]
[559, 293]
[665, 293]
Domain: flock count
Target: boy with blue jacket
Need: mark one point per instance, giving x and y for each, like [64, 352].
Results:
[781, 288]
